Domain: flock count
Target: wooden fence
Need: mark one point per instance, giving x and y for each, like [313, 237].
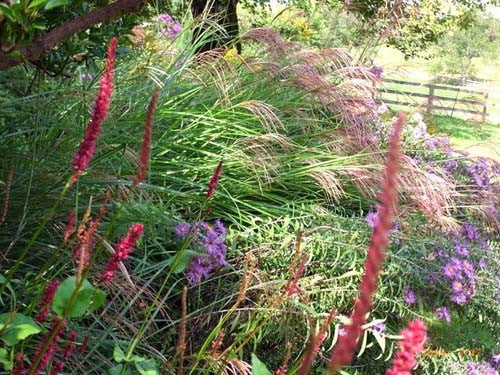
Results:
[475, 101]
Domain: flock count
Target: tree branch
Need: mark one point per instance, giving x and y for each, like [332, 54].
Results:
[70, 28]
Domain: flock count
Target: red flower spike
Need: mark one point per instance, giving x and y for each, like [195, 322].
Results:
[48, 296]
[70, 226]
[46, 357]
[86, 150]
[344, 350]
[212, 185]
[412, 344]
[146, 139]
[122, 250]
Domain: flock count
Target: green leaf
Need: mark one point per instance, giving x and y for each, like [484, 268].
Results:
[7, 12]
[56, 3]
[147, 367]
[183, 260]
[118, 354]
[4, 359]
[2, 279]
[82, 302]
[118, 370]
[259, 368]
[18, 328]
[99, 298]
[37, 3]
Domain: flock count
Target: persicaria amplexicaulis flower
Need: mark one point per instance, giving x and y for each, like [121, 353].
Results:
[344, 350]
[146, 139]
[122, 250]
[212, 185]
[48, 296]
[414, 337]
[86, 150]
[42, 359]
[70, 225]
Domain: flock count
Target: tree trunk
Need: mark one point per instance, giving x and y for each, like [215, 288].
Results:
[224, 13]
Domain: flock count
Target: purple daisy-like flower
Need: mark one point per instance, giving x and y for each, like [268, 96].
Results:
[451, 270]
[470, 232]
[443, 313]
[198, 268]
[379, 328]
[440, 252]
[461, 249]
[182, 229]
[457, 286]
[459, 298]
[372, 219]
[481, 263]
[409, 296]
[468, 268]
[219, 227]
[495, 361]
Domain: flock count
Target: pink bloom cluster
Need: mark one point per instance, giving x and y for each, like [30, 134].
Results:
[58, 365]
[212, 185]
[122, 250]
[45, 358]
[48, 296]
[70, 225]
[86, 150]
[414, 337]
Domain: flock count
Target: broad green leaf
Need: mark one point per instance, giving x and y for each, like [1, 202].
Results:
[37, 3]
[118, 354]
[82, 302]
[18, 328]
[2, 279]
[7, 12]
[259, 368]
[4, 359]
[55, 3]
[99, 298]
[147, 367]
[118, 370]
[183, 260]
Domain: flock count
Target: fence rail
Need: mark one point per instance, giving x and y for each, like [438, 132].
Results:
[476, 102]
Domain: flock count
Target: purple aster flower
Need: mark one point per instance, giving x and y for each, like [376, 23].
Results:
[219, 227]
[461, 249]
[372, 219]
[409, 296]
[382, 109]
[481, 263]
[457, 286]
[495, 361]
[450, 165]
[469, 231]
[198, 268]
[468, 268]
[452, 270]
[182, 229]
[377, 71]
[443, 313]
[379, 328]
[164, 18]
[459, 298]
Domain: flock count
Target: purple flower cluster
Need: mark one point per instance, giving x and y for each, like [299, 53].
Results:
[460, 274]
[170, 28]
[495, 361]
[409, 296]
[377, 71]
[480, 368]
[380, 328]
[443, 313]
[482, 172]
[210, 240]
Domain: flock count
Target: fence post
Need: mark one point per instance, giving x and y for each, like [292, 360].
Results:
[430, 99]
[484, 108]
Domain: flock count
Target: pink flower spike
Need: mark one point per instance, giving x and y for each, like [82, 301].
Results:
[414, 337]
[48, 296]
[347, 344]
[122, 250]
[146, 139]
[86, 150]
[69, 227]
[45, 358]
[212, 185]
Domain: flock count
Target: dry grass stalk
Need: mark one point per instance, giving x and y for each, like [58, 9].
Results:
[181, 344]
